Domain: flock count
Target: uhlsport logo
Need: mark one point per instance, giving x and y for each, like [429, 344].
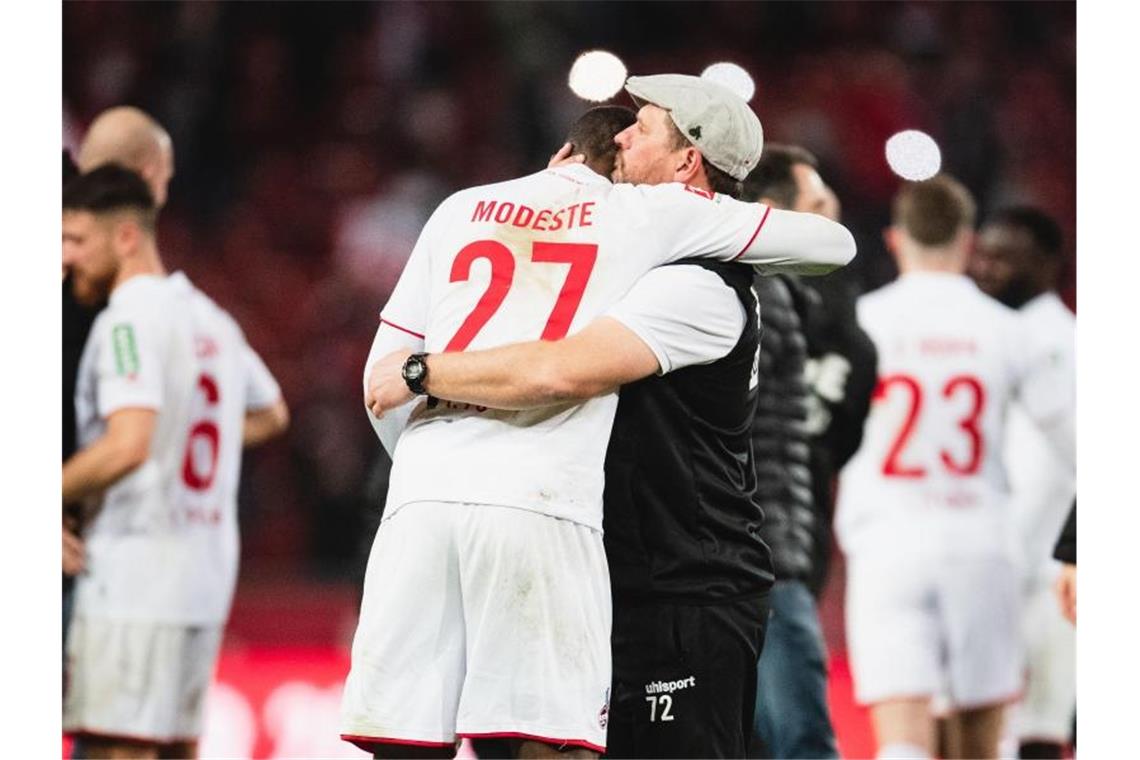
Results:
[668, 687]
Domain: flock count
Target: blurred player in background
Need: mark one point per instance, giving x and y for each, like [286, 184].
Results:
[791, 716]
[132, 139]
[631, 229]
[923, 513]
[1018, 261]
[168, 391]
[1065, 552]
[76, 325]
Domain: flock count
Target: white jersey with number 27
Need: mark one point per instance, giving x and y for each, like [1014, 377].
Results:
[164, 545]
[929, 477]
[540, 257]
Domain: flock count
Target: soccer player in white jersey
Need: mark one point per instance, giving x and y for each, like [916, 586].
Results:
[923, 513]
[168, 391]
[133, 139]
[1018, 261]
[502, 509]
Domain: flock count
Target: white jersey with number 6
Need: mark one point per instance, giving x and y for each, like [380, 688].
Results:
[164, 545]
[540, 257]
[929, 477]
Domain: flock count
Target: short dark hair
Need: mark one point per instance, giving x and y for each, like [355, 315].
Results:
[109, 189]
[1046, 233]
[593, 135]
[935, 210]
[70, 170]
[720, 181]
[772, 178]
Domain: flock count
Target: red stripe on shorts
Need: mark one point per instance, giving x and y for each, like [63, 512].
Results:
[367, 742]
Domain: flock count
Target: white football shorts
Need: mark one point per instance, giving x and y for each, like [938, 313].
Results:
[481, 621]
[138, 681]
[924, 627]
[1046, 709]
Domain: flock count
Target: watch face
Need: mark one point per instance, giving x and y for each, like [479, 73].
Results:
[414, 371]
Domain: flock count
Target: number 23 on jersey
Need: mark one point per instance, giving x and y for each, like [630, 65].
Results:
[909, 386]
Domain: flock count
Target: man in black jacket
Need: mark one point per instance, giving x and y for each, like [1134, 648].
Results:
[816, 377]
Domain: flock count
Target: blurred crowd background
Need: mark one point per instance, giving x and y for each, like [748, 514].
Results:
[312, 140]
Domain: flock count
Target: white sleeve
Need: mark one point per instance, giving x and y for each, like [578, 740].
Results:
[130, 363]
[261, 388]
[1046, 388]
[407, 306]
[388, 339]
[686, 315]
[691, 222]
[800, 243]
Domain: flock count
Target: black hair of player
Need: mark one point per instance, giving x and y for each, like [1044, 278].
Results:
[1046, 233]
[593, 135]
[70, 169]
[720, 181]
[111, 189]
[773, 178]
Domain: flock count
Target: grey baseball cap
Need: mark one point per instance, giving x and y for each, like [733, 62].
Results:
[715, 119]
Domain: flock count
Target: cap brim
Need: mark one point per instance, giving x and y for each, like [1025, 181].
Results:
[638, 96]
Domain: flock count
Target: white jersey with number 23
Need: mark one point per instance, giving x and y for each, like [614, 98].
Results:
[929, 477]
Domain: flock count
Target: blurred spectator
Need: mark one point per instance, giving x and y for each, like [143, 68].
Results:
[1017, 260]
[791, 719]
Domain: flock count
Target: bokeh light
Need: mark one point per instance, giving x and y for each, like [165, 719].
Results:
[913, 155]
[733, 77]
[597, 75]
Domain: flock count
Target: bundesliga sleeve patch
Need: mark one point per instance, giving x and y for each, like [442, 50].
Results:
[126, 352]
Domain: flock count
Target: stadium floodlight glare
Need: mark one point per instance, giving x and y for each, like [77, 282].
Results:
[913, 155]
[597, 75]
[733, 77]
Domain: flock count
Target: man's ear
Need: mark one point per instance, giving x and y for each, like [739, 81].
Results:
[688, 165]
[891, 238]
[126, 236]
[970, 241]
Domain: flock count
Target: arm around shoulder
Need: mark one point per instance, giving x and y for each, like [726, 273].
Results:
[596, 361]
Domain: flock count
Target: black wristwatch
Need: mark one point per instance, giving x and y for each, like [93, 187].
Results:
[415, 373]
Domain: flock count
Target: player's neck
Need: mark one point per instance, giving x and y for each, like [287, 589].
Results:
[147, 261]
[939, 260]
